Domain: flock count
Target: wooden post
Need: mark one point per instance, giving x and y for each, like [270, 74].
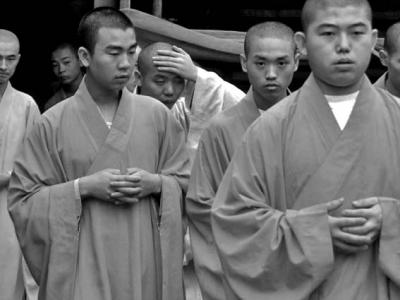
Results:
[125, 4]
[113, 3]
[157, 8]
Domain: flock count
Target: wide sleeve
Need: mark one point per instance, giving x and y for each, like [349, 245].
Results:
[174, 171]
[267, 251]
[389, 240]
[211, 161]
[45, 210]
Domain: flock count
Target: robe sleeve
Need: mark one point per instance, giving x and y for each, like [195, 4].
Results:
[45, 211]
[174, 170]
[389, 240]
[267, 251]
[211, 161]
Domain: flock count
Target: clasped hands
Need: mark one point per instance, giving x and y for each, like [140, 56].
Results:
[111, 186]
[356, 228]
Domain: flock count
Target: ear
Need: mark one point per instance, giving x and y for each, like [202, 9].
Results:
[300, 40]
[296, 60]
[84, 56]
[243, 61]
[18, 58]
[374, 38]
[384, 57]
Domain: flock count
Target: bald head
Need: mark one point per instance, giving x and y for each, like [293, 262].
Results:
[8, 37]
[268, 30]
[392, 39]
[311, 7]
[145, 61]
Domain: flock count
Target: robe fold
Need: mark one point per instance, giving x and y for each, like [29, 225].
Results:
[214, 153]
[93, 249]
[18, 113]
[268, 219]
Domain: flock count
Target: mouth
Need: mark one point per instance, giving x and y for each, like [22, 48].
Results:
[271, 86]
[122, 77]
[344, 62]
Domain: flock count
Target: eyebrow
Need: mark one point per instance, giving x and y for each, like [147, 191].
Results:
[329, 25]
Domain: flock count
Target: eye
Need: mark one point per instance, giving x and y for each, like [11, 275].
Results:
[327, 33]
[260, 64]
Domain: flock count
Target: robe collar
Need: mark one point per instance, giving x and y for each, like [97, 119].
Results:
[5, 104]
[248, 109]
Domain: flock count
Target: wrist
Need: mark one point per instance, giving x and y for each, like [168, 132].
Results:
[157, 184]
[84, 189]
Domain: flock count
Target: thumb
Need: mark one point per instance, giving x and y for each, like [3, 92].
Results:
[334, 204]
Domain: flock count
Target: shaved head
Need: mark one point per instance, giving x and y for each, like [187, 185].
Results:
[392, 41]
[145, 61]
[268, 30]
[311, 7]
[7, 37]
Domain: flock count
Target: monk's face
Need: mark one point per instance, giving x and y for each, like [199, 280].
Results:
[65, 64]
[164, 86]
[9, 58]
[339, 43]
[110, 65]
[270, 64]
[393, 65]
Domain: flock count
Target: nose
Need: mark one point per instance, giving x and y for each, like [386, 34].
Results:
[61, 68]
[343, 44]
[169, 89]
[271, 72]
[3, 64]
[126, 62]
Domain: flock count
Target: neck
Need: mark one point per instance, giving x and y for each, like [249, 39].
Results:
[328, 89]
[101, 95]
[3, 87]
[264, 103]
[392, 88]
[71, 88]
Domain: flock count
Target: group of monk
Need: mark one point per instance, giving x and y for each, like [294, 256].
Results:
[282, 194]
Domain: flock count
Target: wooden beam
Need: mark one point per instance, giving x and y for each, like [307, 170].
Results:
[157, 8]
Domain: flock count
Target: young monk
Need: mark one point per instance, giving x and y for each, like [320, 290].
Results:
[67, 69]
[89, 225]
[390, 58]
[270, 59]
[308, 207]
[18, 113]
[193, 94]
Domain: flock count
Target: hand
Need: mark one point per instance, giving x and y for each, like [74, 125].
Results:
[371, 211]
[176, 61]
[137, 183]
[343, 241]
[99, 186]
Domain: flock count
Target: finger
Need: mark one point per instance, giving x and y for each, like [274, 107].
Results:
[177, 49]
[360, 230]
[126, 192]
[343, 247]
[352, 239]
[126, 200]
[169, 53]
[359, 212]
[132, 170]
[365, 203]
[122, 184]
[114, 171]
[349, 222]
[334, 204]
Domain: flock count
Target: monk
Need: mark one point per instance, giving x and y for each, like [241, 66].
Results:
[91, 223]
[18, 113]
[390, 57]
[309, 205]
[193, 94]
[67, 69]
[270, 60]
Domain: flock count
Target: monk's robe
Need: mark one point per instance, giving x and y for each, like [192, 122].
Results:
[269, 220]
[209, 96]
[215, 150]
[86, 250]
[18, 113]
